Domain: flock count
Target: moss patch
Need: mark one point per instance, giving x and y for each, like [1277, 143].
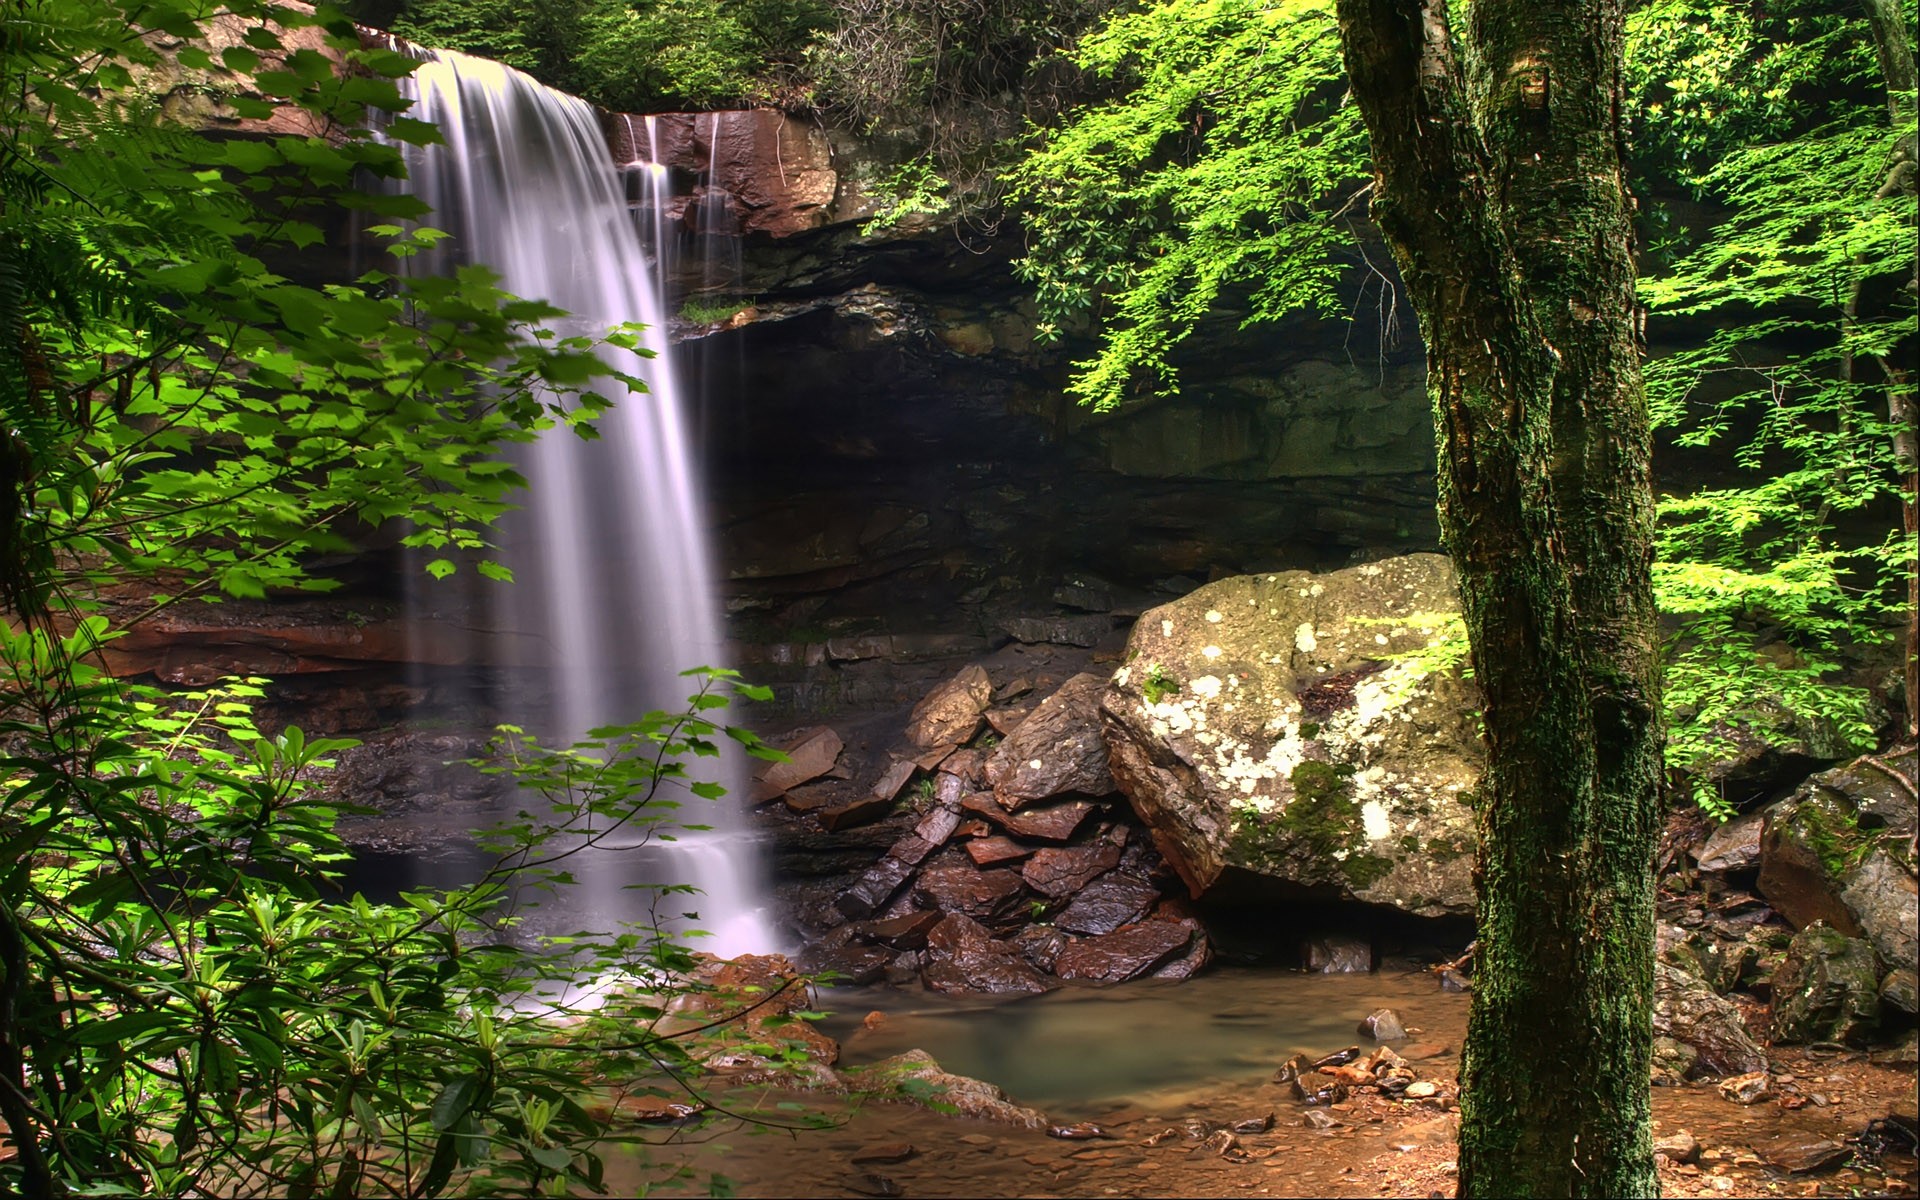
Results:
[1322, 823]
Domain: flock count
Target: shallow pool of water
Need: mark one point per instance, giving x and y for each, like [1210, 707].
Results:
[1080, 1051]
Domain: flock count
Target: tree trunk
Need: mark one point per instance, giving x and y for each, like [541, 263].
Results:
[1501, 188]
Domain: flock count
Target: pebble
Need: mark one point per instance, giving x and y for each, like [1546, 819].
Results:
[884, 1152]
[1315, 1119]
[1078, 1132]
[1421, 1090]
[868, 1184]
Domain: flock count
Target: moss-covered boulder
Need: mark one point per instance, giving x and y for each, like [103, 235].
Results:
[1827, 990]
[1840, 849]
[1312, 729]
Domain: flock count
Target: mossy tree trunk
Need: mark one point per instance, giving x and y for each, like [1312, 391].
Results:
[1501, 188]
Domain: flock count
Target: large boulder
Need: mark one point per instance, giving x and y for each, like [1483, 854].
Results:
[1827, 990]
[1310, 729]
[1840, 849]
[1056, 750]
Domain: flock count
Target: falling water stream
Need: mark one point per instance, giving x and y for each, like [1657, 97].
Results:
[614, 590]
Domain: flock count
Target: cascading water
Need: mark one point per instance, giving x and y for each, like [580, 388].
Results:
[613, 586]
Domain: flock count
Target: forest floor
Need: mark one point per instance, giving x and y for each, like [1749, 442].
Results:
[1379, 1146]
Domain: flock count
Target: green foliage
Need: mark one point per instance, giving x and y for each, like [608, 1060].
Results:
[1776, 578]
[1156, 685]
[1221, 178]
[699, 310]
[627, 55]
[910, 190]
[186, 1004]
[1217, 180]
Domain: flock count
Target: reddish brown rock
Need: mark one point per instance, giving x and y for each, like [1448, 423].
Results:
[1058, 749]
[968, 766]
[870, 893]
[759, 170]
[893, 779]
[810, 753]
[950, 714]
[906, 932]
[1005, 720]
[1113, 900]
[938, 825]
[1126, 953]
[1053, 823]
[1063, 870]
[1196, 959]
[856, 812]
[987, 851]
[965, 958]
[955, 885]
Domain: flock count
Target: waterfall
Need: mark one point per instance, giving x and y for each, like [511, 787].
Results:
[614, 589]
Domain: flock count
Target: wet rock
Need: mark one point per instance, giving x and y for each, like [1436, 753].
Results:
[1293, 1069]
[1260, 1124]
[811, 753]
[968, 766]
[905, 932]
[1285, 725]
[895, 777]
[1382, 1025]
[1827, 990]
[1161, 1138]
[1673, 1062]
[1681, 1147]
[1315, 1119]
[1058, 749]
[1062, 871]
[1190, 963]
[935, 1087]
[938, 825]
[953, 884]
[876, 885]
[1113, 900]
[1339, 1058]
[1840, 850]
[1040, 946]
[1423, 1089]
[1884, 899]
[853, 965]
[1722, 963]
[1801, 1153]
[1318, 1089]
[1220, 1142]
[884, 1152]
[1734, 846]
[1336, 954]
[964, 957]
[857, 812]
[866, 1183]
[1901, 990]
[1126, 953]
[950, 714]
[989, 851]
[1750, 1088]
[1051, 823]
[1079, 1132]
[1687, 1010]
[1453, 981]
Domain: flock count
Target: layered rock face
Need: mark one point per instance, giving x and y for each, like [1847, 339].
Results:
[1312, 730]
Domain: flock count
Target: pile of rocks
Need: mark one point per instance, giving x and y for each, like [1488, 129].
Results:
[1021, 870]
[1825, 940]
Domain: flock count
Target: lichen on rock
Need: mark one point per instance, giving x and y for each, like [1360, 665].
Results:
[1313, 729]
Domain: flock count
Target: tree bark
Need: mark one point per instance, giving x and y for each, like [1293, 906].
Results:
[1501, 189]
